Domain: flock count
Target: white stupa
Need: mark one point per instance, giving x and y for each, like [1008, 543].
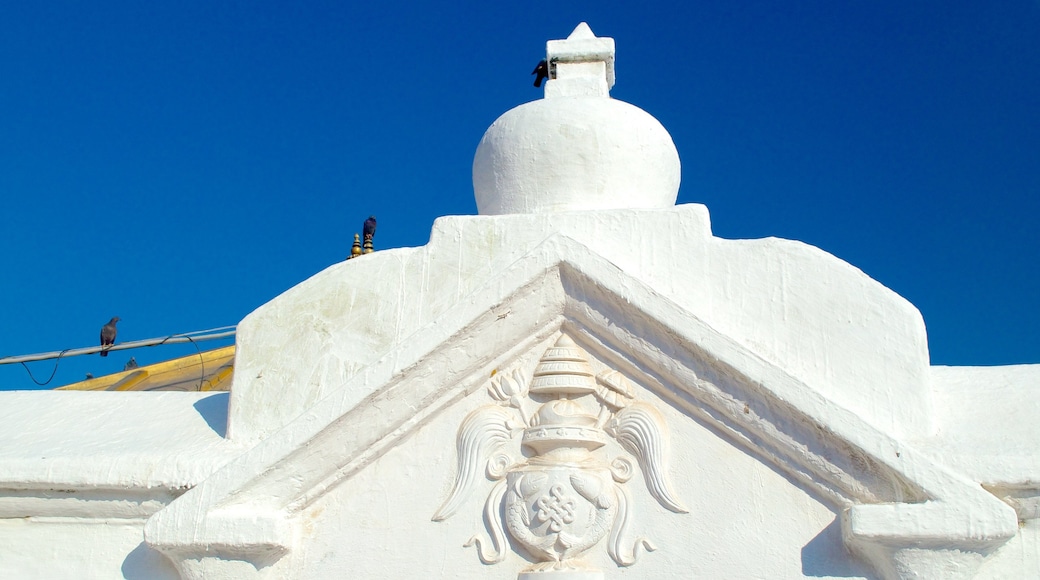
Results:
[576, 149]
[581, 383]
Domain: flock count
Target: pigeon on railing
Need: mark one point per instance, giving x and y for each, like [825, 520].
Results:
[108, 335]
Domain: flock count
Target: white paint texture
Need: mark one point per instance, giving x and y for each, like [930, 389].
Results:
[807, 434]
[527, 161]
[80, 472]
[749, 505]
[577, 149]
[822, 320]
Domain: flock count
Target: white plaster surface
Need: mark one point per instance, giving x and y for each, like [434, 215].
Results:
[824, 321]
[111, 440]
[809, 435]
[80, 472]
[365, 526]
[313, 413]
[989, 422]
[426, 371]
[67, 549]
[572, 153]
[1019, 558]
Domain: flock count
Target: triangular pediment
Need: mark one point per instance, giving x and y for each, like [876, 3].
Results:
[561, 286]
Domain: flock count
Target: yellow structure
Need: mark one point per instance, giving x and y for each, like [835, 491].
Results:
[209, 371]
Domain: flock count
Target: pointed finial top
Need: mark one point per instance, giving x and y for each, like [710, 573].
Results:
[582, 65]
[581, 31]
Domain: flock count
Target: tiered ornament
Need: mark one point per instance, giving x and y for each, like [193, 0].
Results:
[563, 498]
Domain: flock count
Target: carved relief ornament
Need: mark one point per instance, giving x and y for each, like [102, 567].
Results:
[562, 496]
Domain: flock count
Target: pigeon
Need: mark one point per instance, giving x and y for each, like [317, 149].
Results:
[108, 335]
[90, 376]
[370, 227]
[130, 364]
[542, 70]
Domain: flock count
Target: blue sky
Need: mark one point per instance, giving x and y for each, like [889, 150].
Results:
[180, 164]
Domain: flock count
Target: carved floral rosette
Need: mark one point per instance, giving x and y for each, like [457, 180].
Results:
[565, 497]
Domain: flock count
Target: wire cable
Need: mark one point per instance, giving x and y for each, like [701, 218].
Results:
[202, 362]
[199, 335]
[193, 337]
[54, 371]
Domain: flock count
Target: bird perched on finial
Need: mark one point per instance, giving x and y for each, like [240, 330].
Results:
[130, 364]
[369, 229]
[542, 70]
[108, 335]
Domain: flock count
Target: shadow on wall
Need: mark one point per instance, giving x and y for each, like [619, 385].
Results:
[144, 563]
[214, 410]
[826, 556]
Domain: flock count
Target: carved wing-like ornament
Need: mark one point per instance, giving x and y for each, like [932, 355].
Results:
[482, 433]
[638, 427]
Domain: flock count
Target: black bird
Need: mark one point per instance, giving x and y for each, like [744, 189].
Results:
[108, 335]
[369, 229]
[542, 70]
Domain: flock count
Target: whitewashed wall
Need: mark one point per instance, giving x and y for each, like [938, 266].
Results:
[809, 437]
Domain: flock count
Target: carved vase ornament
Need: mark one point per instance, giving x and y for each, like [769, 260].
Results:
[562, 496]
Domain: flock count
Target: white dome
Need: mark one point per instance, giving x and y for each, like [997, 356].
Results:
[575, 153]
[576, 149]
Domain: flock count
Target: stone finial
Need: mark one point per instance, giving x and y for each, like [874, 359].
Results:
[580, 65]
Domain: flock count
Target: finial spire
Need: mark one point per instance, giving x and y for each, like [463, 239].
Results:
[355, 251]
[580, 66]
